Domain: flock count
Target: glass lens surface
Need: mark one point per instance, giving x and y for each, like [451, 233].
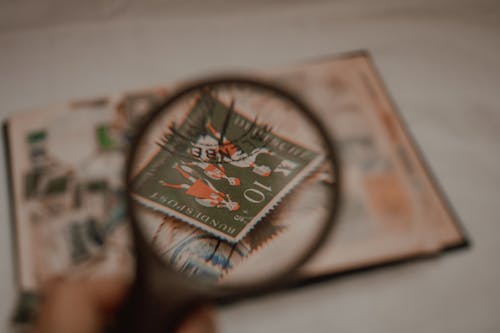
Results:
[232, 182]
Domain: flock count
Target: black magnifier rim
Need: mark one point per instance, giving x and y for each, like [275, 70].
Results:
[282, 277]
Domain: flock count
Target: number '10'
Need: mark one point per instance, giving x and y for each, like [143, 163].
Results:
[255, 195]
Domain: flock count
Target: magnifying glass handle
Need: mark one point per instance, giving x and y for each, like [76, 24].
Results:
[156, 306]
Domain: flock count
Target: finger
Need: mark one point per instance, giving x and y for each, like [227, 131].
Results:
[79, 306]
[200, 321]
[107, 294]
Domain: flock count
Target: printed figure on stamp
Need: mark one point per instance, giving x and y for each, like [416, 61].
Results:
[221, 171]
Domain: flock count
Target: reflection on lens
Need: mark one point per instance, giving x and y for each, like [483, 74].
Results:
[232, 183]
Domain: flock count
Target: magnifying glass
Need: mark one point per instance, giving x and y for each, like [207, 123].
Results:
[232, 185]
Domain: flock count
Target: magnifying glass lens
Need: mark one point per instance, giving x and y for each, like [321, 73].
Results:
[233, 183]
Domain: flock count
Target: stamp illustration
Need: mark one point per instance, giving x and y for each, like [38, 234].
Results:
[221, 171]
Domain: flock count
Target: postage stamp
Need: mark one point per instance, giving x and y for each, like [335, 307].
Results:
[221, 171]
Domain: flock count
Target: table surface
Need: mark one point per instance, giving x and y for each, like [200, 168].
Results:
[441, 63]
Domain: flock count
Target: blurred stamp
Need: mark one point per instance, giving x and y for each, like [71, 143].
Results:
[197, 252]
[221, 171]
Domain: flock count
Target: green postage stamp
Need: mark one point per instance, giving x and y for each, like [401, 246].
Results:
[221, 171]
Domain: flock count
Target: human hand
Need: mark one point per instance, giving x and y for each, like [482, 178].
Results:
[87, 306]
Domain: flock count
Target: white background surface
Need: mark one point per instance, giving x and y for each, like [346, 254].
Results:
[440, 60]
